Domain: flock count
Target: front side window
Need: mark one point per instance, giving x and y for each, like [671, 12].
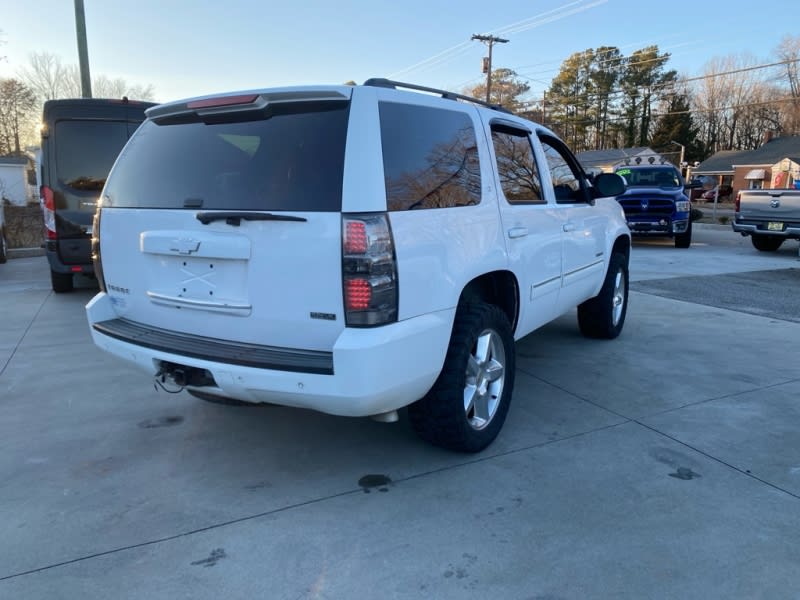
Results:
[516, 166]
[565, 175]
[430, 157]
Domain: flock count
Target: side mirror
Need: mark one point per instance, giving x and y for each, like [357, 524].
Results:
[608, 184]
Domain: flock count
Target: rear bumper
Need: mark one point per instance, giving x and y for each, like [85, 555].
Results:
[374, 370]
[82, 265]
[790, 230]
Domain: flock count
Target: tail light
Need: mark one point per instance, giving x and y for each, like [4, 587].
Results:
[49, 210]
[738, 202]
[96, 259]
[369, 270]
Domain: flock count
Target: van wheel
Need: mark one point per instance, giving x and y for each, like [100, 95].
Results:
[766, 243]
[62, 282]
[684, 240]
[466, 408]
[3, 247]
[604, 315]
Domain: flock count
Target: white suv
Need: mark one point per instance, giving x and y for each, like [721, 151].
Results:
[352, 250]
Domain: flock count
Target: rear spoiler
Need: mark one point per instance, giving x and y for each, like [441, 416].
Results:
[251, 105]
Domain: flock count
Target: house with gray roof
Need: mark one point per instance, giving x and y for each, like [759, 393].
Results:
[775, 164]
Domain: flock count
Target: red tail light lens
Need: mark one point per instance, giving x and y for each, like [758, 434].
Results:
[355, 238]
[357, 294]
[738, 202]
[96, 258]
[369, 270]
[49, 210]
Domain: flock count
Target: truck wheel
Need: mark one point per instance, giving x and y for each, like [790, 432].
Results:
[62, 282]
[3, 247]
[684, 240]
[766, 243]
[466, 408]
[603, 316]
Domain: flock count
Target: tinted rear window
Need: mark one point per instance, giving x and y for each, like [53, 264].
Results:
[292, 161]
[86, 150]
[430, 157]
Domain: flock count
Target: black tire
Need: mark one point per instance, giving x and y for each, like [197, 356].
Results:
[766, 243]
[684, 240]
[441, 417]
[61, 282]
[603, 316]
[3, 247]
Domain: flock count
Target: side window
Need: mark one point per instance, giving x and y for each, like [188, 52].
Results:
[516, 166]
[430, 157]
[566, 176]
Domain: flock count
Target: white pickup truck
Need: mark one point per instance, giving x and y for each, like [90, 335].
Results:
[768, 216]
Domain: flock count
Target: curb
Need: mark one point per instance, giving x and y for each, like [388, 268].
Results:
[719, 227]
[24, 252]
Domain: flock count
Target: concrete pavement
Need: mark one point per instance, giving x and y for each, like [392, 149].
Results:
[663, 464]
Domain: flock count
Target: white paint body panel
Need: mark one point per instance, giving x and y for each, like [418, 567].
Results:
[259, 282]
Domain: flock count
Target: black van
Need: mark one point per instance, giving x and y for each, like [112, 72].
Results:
[81, 139]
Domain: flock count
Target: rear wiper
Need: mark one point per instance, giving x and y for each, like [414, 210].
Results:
[235, 217]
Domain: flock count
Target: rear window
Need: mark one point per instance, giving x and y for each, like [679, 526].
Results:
[86, 150]
[430, 157]
[292, 161]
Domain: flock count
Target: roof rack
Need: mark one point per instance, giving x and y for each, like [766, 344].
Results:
[395, 85]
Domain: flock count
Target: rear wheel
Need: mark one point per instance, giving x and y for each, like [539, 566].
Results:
[684, 240]
[604, 315]
[468, 404]
[62, 282]
[766, 243]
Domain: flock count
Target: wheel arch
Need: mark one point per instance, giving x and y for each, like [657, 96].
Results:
[500, 288]
[622, 245]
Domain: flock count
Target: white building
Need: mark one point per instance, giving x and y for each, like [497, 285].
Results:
[14, 179]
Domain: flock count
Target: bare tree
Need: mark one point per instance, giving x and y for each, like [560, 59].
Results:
[49, 78]
[45, 75]
[17, 106]
[788, 52]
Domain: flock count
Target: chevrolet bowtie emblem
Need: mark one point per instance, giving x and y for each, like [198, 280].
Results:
[184, 246]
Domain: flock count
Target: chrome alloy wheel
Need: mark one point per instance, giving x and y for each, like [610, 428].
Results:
[618, 297]
[485, 379]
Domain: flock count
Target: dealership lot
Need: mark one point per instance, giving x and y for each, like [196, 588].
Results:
[662, 464]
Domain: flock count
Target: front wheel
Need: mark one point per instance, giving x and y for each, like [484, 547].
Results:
[604, 315]
[467, 406]
[766, 243]
[684, 240]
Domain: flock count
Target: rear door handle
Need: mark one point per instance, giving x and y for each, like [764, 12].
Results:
[517, 232]
[568, 227]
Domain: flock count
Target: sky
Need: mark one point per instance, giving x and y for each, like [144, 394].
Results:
[189, 48]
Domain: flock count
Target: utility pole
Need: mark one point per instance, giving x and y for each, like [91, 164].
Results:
[83, 52]
[489, 40]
